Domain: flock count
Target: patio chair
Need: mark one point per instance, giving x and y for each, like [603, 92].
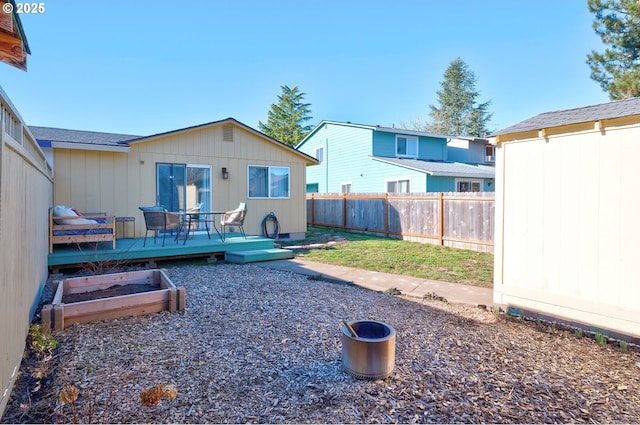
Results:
[234, 218]
[160, 220]
[194, 216]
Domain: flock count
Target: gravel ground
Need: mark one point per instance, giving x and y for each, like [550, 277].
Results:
[260, 345]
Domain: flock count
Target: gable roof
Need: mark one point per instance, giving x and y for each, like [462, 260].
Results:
[374, 128]
[442, 168]
[80, 139]
[603, 111]
[93, 140]
[308, 159]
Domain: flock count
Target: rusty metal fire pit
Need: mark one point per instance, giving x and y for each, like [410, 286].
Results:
[372, 353]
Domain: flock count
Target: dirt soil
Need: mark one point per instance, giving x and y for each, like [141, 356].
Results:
[113, 291]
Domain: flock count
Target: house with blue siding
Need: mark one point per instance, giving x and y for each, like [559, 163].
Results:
[356, 158]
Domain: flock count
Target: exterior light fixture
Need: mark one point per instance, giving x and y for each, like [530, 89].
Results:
[225, 173]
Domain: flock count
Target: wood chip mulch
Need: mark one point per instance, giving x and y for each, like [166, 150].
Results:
[257, 345]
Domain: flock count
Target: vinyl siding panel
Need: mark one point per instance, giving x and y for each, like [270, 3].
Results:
[440, 184]
[378, 173]
[347, 152]
[430, 148]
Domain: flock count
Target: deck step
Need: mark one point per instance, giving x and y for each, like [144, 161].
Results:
[253, 255]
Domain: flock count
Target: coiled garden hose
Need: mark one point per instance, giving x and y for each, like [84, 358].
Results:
[271, 217]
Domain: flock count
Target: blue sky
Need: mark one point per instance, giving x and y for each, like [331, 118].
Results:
[145, 67]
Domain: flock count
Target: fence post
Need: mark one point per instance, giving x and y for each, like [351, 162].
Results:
[344, 211]
[313, 211]
[386, 214]
[441, 218]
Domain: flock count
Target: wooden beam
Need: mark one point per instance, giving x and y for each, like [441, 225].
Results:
[6, 22]
[12, 51]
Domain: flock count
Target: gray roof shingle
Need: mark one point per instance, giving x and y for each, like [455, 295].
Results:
[603, 111]
[79, 136]
[442, 168]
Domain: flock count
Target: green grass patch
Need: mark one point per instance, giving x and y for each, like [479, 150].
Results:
[370, 252]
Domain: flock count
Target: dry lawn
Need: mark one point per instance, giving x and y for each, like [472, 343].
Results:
[260, 345]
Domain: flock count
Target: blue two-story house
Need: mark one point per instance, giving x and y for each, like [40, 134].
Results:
[356, 158]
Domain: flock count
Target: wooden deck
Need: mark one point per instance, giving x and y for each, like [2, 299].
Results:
[131, 250]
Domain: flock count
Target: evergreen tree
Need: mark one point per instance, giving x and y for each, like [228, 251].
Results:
[458, 114]
[285, 119]
[617, 22]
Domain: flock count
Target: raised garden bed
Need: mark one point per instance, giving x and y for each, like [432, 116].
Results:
[111, 296]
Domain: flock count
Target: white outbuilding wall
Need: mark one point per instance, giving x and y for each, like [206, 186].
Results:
[567, 239]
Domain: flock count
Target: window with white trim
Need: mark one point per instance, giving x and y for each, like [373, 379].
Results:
[345, 187]
[268, 182]
[320, 154]
[406, 147]
[398, 186]
[468, 185]
[489, 153]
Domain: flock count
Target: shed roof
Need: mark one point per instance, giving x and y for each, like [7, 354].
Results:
[603, 111]
[442, 168]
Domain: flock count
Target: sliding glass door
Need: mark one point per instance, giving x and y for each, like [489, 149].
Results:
[170, 186]
[181, 187]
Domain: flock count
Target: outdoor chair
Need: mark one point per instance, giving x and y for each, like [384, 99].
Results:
[160, 221]
[234, 218]
[194, 216]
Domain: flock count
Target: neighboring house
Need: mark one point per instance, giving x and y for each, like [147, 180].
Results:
[471, 150]
[218, 164]
[363, 158]
[566, 232]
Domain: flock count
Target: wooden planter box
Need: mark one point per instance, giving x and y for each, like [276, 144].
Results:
[61, 314]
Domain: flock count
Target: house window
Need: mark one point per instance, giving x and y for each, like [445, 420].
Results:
[398, 186]
[489, 153]
[320, 154]
[345, 187]
[468, 185]
[268, 182]
[406, 146]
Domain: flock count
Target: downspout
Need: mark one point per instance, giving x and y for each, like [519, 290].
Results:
[326, 165]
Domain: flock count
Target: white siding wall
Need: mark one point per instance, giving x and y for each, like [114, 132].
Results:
[569, 242]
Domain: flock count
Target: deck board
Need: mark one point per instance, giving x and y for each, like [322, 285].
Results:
[132, 249]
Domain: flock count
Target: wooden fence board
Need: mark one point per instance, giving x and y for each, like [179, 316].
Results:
[460, 217]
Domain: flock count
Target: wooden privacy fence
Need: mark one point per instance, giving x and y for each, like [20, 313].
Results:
[462, 220]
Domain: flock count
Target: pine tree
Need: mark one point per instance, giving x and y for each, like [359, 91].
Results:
[285, 119]
[458, 114]
[617, 22]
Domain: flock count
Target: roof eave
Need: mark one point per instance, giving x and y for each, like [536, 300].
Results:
[84, 146]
